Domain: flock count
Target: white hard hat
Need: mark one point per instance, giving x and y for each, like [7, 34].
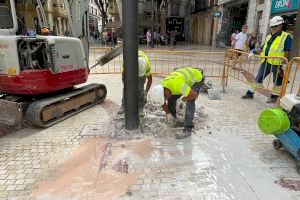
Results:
[157, 95]
[277, 20]
[142, 67]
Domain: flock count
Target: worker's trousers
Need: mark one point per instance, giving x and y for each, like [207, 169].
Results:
[141, 97]
[264, 70]
[190, 107]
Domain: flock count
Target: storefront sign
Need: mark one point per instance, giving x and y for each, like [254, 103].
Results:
[279, 6]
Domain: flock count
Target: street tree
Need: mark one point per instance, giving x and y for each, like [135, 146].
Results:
[103, 7]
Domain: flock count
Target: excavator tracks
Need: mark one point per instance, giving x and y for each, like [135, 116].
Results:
[47, 112]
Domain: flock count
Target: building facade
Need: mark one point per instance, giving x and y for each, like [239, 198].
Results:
[95, 24]
[168, 16]
[55, 13]
[200, 21]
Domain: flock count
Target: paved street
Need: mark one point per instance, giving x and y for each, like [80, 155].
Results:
[228, 158]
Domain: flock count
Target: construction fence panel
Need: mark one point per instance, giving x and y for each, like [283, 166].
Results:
[256, 71]
[165, 61]
[291, 83]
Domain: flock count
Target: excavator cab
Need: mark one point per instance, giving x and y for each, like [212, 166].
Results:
[6, 19]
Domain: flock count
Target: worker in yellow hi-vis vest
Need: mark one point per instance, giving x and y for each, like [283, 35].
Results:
[184, 83]
[278, 44]
[144, 73]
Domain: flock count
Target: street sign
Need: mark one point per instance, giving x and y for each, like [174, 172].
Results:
[217, 13]
[279, 6]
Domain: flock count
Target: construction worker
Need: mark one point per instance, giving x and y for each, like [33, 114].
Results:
[278, 44]
[184, 84]
[144, 73]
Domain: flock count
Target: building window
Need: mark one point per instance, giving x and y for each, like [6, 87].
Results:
[261, 1]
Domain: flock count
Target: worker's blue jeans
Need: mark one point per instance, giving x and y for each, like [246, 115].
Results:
[265, 70]
[141, 100]
[190, 107]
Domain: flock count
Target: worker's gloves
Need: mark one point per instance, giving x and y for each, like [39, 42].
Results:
[284, 65]
[251, 55]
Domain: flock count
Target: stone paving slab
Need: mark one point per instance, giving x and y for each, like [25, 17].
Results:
[229, 159]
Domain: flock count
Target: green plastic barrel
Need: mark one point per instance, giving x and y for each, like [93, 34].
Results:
[273, 121]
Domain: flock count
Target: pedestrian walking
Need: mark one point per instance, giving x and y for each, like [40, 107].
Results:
[109, 37]
[172, 37]
[144, 73]
[277, 44]
[157, 39]
[251, 42]
[183, 84]
[241, 39]
[148, 38]
[233, 36]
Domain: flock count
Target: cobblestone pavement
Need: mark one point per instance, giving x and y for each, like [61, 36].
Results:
[228, 159]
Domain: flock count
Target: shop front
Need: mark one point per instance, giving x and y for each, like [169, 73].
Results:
[288, 10]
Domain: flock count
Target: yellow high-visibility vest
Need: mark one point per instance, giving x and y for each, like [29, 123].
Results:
[180, 81]
[148, 66]
[276, 49]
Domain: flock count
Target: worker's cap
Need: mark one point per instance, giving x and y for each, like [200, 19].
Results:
[142, 66]
[157, 95]
[275, 21]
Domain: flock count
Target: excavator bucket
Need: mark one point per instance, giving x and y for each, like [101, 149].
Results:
[108, 56]
[10, 113]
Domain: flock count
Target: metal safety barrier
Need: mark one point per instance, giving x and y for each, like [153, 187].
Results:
[255, 71]
[291, 82]
[165, 61]
[277, 79]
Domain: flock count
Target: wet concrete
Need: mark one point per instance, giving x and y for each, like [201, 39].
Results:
[84, 176]
[200, 167]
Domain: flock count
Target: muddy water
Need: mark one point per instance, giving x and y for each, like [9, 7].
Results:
[80, 177]
[289, 184]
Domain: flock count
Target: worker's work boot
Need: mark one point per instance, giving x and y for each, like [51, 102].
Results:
[141, 112]
[183, 134]
[272, 100]
[248, 96]
[121, 111]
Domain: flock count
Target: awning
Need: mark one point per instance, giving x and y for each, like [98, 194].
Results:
[113, 25]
